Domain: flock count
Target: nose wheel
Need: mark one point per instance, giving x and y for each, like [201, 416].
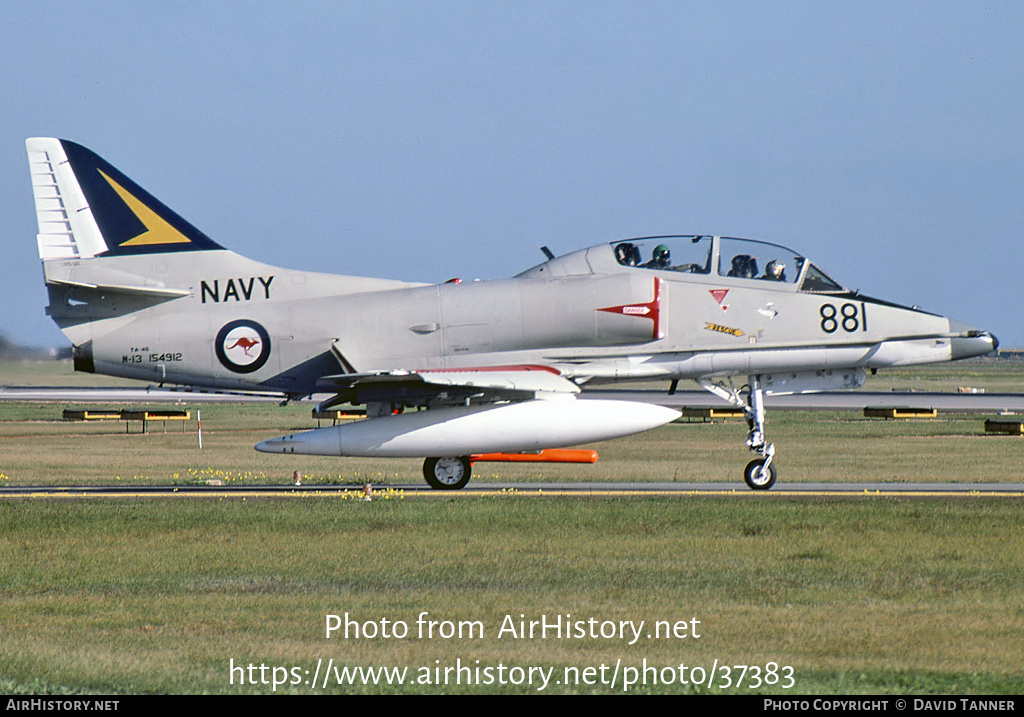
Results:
[759, 474]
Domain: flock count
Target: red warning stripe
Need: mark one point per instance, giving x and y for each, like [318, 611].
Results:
[651, 310]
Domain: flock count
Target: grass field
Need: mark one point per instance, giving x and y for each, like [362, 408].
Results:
[870, 595]
[855, 596]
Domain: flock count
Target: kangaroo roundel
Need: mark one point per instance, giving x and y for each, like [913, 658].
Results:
[243, 346]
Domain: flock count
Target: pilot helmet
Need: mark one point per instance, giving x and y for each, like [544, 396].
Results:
[775, 269]
[661, 254]
[627, 253]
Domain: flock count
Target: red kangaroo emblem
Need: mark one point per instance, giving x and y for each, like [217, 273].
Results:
[245, 343]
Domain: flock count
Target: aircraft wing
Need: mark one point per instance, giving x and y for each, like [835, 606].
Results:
[446, 386]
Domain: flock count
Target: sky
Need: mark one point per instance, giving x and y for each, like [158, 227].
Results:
[427, 140]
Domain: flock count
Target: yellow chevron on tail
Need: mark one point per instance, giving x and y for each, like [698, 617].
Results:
[158, 231]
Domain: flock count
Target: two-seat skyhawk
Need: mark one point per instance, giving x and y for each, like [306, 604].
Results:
[454, 370]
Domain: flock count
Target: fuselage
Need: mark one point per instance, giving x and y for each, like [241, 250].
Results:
[599, 314]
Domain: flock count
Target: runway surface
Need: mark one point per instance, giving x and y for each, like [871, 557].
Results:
[419, 490]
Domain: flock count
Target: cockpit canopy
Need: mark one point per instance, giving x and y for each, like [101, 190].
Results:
[724, 256]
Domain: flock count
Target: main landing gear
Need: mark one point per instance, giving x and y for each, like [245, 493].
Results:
[759, 474]
[450, 473]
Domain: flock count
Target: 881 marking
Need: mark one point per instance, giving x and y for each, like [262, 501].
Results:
[849, 318]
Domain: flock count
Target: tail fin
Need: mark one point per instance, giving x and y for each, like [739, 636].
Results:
[87, 208]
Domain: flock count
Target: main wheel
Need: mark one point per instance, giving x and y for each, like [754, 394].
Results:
[451, 473]
[757, 477]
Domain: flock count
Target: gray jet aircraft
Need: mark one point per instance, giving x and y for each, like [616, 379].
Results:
[451, 371]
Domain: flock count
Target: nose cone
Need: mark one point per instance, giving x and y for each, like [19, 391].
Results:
[319, 442]
[968, 341]
[273, 445]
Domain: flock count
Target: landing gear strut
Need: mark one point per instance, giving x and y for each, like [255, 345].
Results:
[760, 473]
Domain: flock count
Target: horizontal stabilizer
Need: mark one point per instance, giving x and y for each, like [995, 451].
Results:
[151, 291]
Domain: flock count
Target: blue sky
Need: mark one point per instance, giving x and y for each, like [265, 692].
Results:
[427, 140]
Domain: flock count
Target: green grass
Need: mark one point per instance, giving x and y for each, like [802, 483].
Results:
[994, 376]
[159, 596]
[56, 373]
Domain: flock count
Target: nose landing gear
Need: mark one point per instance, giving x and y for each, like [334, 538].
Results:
[759, 474]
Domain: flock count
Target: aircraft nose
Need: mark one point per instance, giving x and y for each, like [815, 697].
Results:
[969, 341]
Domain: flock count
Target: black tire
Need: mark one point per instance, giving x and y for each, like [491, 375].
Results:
[449, 473]
[753, 478]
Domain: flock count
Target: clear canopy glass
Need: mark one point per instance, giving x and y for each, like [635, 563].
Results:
[726, 257]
